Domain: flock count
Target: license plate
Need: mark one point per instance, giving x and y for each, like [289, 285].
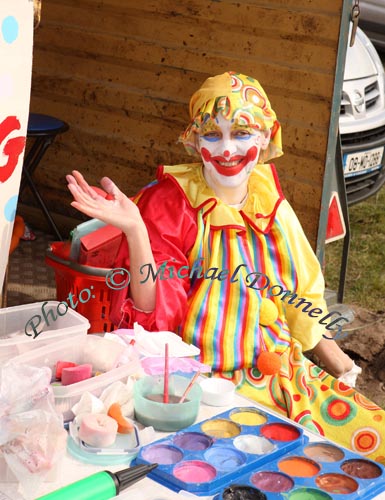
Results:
[362, 161]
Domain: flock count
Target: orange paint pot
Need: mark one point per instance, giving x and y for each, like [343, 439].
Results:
[299, 467]
[337, 483]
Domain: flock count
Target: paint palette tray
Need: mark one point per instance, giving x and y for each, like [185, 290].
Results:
[206, 457]
[317, 470]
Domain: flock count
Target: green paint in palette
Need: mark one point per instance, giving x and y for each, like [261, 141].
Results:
[308, 494]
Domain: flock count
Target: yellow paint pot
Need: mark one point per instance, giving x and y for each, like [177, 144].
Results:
[221, 428]
[248, 416]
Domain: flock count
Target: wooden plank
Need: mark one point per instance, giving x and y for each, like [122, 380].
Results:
[327, 7]
[173, 84]
[247, 15]
[298, 50]
[123, 99]
[300, 169]
[101, 45]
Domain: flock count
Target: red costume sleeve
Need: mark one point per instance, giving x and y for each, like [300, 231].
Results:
[172, 228]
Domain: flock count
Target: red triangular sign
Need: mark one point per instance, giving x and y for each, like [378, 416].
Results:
[336, 228]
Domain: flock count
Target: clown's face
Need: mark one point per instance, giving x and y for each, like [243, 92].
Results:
[229, 150]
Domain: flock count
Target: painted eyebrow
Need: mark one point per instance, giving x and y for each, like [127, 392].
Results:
[205, 128]
[237, 126]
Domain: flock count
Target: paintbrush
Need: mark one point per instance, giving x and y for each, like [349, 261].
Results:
[188, 388]
[166, 374]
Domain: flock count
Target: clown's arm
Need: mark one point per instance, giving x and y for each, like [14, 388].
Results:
[122, 213]
[307, 326]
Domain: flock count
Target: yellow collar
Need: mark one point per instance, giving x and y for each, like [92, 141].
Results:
[265, 195]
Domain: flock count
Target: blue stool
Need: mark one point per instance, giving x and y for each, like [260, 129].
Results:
[43, 129]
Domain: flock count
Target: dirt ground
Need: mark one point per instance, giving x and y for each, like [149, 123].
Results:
[365, 343]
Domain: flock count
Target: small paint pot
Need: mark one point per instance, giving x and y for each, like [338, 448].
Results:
[166, 416]
[225, 458]
[194, 471]
[217, 391]
[324, 452]
[241, 492]
[298, 467]
[193, 441]
[337, 483]
[221, 428]
[280, 432]
[248, 416]
[363, 469]
[256, 445]
[162, 454]
[273, 482]
[308, 494]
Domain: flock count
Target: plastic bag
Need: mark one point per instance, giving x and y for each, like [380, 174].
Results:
[153, 343]
[155, 366]
[32, 436]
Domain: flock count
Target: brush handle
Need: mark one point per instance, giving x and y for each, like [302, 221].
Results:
[166, 374]
[188, 388]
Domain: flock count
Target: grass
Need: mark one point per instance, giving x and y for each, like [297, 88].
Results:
[365, 278]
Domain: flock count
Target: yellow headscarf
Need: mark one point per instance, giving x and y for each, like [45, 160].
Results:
[239, 98]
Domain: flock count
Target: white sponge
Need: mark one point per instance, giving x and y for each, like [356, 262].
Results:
[98, 430]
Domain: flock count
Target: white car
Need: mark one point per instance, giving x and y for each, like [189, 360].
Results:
[362, 120]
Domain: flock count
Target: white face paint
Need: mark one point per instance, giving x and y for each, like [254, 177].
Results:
[230, 151]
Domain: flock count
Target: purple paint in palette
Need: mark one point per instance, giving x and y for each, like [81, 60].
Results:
[274, 482]
[162, 454]
[193, 441]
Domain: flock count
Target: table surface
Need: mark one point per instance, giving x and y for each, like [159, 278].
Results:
[72, 470]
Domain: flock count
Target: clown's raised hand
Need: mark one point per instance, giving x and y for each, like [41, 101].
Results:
[116, 209]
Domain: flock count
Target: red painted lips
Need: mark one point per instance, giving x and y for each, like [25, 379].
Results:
[223, 165]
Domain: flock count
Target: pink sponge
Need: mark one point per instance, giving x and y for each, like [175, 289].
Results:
[74, 374]
[98, 430]
[62, 364]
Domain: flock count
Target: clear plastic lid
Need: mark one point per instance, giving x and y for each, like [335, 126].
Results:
[124, 449]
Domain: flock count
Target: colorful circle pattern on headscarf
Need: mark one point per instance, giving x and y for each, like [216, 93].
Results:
[238, 98]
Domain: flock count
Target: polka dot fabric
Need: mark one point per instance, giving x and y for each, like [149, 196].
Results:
[311, 397]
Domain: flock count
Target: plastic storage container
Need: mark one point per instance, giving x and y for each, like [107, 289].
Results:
[68, 350]
[37, 317]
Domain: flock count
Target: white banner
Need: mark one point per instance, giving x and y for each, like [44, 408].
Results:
[16, 40]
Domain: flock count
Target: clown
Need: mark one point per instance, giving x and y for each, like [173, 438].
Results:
[228, 213]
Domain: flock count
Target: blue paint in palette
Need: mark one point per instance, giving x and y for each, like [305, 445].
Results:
[257, 452]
